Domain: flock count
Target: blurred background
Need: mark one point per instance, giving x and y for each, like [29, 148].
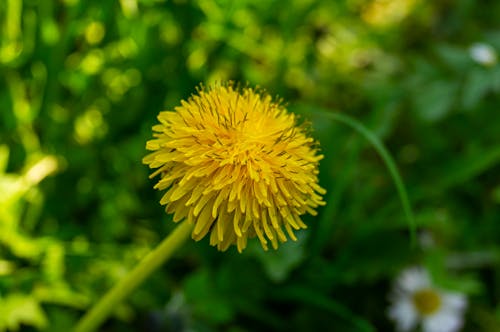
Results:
[81, 83]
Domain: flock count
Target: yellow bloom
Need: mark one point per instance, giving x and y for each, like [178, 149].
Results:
[235, 163]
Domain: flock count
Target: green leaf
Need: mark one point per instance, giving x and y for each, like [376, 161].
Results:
[453, 56]
[4, 158]
[433, 101]
[320, 300]
[467, 167]
[278, 264]
[206, 300]
[17, 309]
[477, 83]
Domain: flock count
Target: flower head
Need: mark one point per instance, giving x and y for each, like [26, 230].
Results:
[415, 299]
[237, 165]
[483, 54]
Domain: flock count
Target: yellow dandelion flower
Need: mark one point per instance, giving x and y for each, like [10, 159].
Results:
[235, 164]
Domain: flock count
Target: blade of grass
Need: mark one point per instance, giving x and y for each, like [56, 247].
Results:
[325, 225]
[386, 157]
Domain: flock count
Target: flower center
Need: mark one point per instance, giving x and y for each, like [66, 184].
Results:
[427, 301]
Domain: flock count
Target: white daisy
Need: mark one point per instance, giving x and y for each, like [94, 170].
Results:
[483, 54]
[416, 300]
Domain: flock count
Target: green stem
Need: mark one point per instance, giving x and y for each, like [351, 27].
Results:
[386, 157]
[124, 287]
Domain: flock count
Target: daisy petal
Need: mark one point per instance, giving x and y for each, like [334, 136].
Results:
[455, 301]
[444, 321]
[403, 313]
[413, 279]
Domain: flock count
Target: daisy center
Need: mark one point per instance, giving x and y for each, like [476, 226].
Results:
[426, 301]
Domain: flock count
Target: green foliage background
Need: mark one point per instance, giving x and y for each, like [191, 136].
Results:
[81, 83]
